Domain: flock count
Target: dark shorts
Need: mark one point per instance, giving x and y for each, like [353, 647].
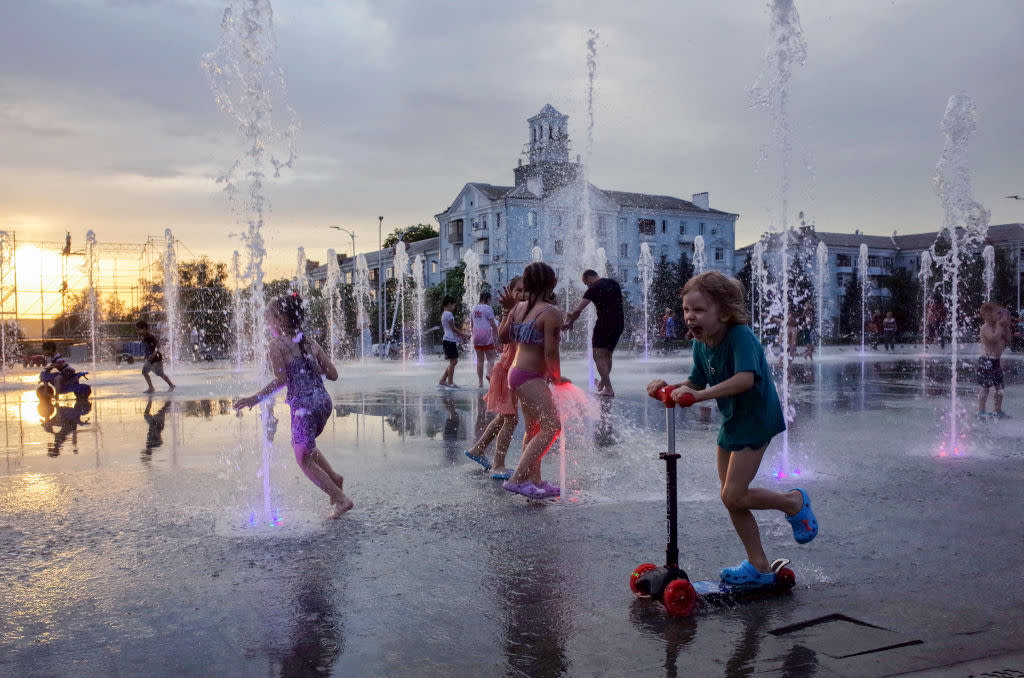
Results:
[451, 350]
[990, 372]
[309, 420]
[154, 366]
[605, 337]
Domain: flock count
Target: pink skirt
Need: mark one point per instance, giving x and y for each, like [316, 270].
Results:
[500, 399]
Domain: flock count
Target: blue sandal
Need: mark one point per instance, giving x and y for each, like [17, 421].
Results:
[805, 525]
[481, 459]
[502, 475]
[746, 576]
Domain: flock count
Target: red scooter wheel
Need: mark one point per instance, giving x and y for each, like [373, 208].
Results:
[640, 571]
[679, 598]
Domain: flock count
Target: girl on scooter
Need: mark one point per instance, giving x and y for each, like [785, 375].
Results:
[729, 365]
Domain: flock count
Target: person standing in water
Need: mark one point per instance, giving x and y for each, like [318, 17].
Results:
[534, 327]
[485, 335]
[606, 295]
[500, 398]
[301, 364]
[154, 359]
[995, 337]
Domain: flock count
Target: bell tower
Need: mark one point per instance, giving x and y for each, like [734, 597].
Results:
[549, 136]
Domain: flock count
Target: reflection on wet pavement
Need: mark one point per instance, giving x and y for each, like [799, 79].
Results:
[128, 550]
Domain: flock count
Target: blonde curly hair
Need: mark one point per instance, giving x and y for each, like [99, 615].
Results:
[724, 291]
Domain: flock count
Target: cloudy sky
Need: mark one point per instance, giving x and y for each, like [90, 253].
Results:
[107, 121]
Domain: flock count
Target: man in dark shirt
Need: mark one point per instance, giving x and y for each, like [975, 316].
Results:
[606, 295]
[154, 361]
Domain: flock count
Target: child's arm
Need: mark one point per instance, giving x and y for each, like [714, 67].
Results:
[505, 329]
[740, 382]
[552, 327]
[323, 361]
[279, 380]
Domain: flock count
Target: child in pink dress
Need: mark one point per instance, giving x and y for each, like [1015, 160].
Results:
[500, 399]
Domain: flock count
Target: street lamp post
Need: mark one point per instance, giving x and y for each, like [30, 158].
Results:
[380, 281]
[352, 235]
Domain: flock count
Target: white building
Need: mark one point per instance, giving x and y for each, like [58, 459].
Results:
[544, 208]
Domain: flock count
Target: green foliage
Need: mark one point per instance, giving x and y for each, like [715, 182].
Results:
[905, 300]
[410, 234]
[850, 311]
[205, 300]
[452, 286]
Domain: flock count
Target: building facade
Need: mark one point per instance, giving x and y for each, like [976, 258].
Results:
[548, 207]
[385, 259]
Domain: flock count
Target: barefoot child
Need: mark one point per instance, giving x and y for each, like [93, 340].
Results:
[534, 327]
[500, 399]
[729, 365]
[485, 332]
[995, 337]
[300, 364]
[154, 360]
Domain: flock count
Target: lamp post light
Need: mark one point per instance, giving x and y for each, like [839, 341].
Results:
[353, 236]
[380, 281]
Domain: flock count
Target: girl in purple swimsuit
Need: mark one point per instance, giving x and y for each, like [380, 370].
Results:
[534, 327]
[300, 364]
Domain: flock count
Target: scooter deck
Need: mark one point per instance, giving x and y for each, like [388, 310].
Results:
[719, 593]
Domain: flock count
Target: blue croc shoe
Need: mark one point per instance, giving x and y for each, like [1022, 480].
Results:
[746, 576]
[805, 525]
[481, 459]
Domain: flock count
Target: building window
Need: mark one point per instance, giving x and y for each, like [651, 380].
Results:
[719, 254]
[664, 225]
[700, 229]
[558, 247]
[455, 230]
[682, 228]
[348, 277]
[558, 220]
[624, 274]
[843, 260]
[500, 275]
[497, 220]
[531, 219]
[389, 272]
[624, 249]
[645, 226]
[601, 226]
[839, 280]
[433, 265]
[714, 230]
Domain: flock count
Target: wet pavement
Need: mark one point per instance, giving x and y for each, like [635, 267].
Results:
[139, 538]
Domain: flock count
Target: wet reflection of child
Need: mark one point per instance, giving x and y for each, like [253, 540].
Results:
[729, 365]
[301, 364]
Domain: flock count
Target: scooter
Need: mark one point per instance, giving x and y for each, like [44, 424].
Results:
[670, 583]
[72, 385]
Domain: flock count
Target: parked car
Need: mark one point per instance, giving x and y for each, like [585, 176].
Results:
[34, 359]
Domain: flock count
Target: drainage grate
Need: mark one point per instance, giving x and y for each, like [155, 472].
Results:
[839, 636]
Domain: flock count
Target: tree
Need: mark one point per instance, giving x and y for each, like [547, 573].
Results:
[205, 300]
[410, 234]
[451, 286]
[905, 300]
[850, 310]
[664, 293]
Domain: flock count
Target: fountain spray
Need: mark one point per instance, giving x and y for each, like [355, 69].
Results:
[925, 275]
[238, 310]
[333, 321]
[646, 267]
[248, 86]
[700, 260]
[786, 49]
[92, 266]
[420, 284]
[965, 225]
[401, 265]
[865, 282]
[823, 278]
[171, 310]
[989, 255]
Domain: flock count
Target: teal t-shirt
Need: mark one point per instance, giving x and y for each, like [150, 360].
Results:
[752, 418]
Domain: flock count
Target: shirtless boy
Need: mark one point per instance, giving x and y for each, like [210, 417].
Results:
[995, 337]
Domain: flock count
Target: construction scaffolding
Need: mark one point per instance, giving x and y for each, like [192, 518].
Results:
[45, 286]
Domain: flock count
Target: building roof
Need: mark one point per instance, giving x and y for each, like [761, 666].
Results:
[911, 242]
[855, 240]
[655, 202]
[548, 110]
[1005, 233]
[492, 192]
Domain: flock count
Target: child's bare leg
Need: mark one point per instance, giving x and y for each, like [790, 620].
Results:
[489, 434]
[538, 406]
[997, 400]
[481, 356]
[322, 462]
[321, 478]
[982, 398]
[736, 470]
[508, 427]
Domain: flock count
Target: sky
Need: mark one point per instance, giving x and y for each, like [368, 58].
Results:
[107, 121]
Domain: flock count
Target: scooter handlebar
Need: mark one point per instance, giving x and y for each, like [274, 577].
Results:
[665, 396]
